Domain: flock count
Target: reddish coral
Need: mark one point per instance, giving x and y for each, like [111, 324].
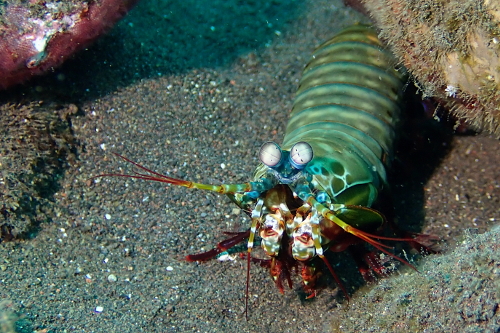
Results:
[31, 46]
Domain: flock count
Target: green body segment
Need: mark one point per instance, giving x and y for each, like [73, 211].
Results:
[347, 109]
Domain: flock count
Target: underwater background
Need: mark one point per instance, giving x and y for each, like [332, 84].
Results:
[192, 89]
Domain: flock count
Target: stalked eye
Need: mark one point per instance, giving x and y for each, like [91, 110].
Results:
[301, 154]
[270, 154]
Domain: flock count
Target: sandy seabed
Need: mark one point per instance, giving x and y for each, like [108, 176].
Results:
[195, 98]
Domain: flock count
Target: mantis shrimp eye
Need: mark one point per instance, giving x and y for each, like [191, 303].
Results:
[301, 154]
[270, 154]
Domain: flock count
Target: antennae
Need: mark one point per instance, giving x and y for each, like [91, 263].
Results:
[248, 285]
[367, 237]
[339, 283]
[158, 177]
